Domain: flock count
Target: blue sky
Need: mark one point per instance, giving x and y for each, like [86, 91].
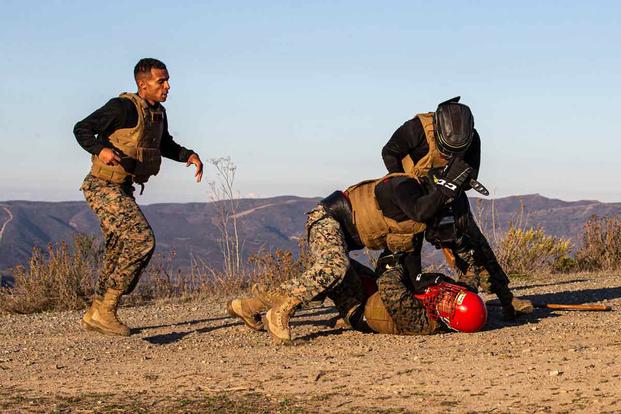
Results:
[303, 95]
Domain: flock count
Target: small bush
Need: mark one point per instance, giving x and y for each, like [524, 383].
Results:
[65, 278]
[601, 244]
[62, 280]
[527, 251]
[271, 269]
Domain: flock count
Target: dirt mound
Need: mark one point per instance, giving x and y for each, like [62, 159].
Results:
[193, 358]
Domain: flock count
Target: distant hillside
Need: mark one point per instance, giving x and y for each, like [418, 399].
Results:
[189, 229]
[275, 222]
[556, 217]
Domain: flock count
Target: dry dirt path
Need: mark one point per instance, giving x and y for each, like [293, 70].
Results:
[252, 210]
[192, 358]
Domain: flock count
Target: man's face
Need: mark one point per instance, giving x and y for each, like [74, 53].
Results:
[154, 88]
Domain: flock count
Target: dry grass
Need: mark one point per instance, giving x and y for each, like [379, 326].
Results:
[524, 249]
[61, 280]
[601, 245]
[531, 250]
[65, 278]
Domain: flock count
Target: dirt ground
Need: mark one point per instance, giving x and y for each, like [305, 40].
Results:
[191, 357]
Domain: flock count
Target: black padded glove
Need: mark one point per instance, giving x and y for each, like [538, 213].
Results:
[451, 180]
[424, 280]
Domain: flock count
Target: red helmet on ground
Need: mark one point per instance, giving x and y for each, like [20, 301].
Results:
[460, 309]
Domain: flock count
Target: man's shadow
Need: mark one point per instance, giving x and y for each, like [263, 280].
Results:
[169, 338]
[172, 337]
[192, 322]
[571, 297]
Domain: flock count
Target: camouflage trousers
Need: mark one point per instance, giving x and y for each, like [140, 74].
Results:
[329, 261]
[129, 239]
[407, 312]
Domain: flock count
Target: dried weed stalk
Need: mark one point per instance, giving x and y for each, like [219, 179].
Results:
[601, 244]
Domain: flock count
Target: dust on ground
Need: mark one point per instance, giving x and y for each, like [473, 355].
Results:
[191, 357]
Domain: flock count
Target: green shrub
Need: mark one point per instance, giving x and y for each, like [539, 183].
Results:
[528, 251]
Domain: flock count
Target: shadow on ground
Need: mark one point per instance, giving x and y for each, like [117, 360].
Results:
[192, 322]
[565, 282]
[570, 297]
[575, 297]
[172, 337]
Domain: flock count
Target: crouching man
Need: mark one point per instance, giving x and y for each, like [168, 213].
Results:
[430, 140]
[385, 213]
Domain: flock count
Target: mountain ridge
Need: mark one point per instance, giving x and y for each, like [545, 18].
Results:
[190, 229]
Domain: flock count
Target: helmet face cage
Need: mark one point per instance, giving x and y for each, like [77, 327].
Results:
[454, 128]
[440, 301]
[448, 299]
[444, 150]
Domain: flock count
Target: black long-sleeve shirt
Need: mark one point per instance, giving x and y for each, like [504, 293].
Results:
[92, 132]
[409, 139]
[402, 198]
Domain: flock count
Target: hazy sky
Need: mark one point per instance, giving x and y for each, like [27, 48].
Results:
[303, 95]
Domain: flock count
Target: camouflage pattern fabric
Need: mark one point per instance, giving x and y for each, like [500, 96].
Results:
[129, 239]
[407, 312]
[328, 258]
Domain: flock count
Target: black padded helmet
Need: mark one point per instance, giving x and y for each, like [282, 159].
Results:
[454, 127]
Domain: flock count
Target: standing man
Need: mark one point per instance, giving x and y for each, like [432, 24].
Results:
[429, 141]
[127, 138]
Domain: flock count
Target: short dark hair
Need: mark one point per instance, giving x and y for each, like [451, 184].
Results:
[145, 65]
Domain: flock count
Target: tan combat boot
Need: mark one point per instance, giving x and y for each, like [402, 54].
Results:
[101, 316]
[87, 319]
[276, 320]
[248, 310]
[268, 298]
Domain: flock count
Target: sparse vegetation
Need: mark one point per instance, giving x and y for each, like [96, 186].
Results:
[271, 269]
[65, 278]
[61, 280]
[601, 244]
[226, 199]
[523, 249]
[531, 250]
